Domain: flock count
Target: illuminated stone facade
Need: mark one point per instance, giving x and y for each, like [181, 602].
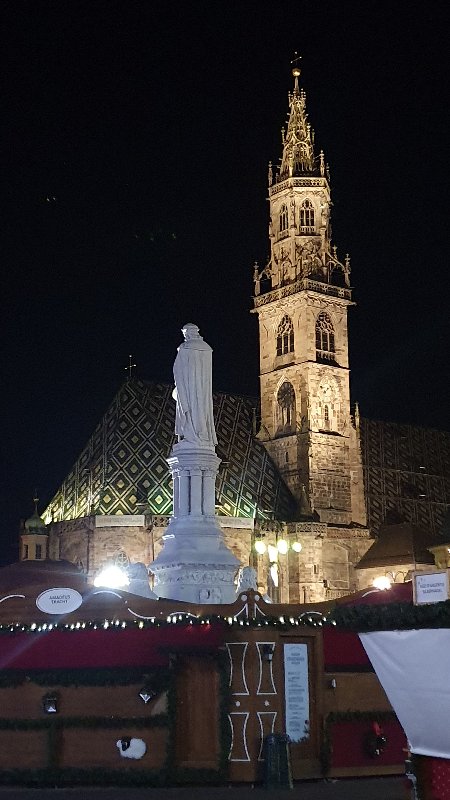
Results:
[298, 465]
[301, 298]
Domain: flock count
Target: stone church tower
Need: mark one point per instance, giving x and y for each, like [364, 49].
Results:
[301, 297]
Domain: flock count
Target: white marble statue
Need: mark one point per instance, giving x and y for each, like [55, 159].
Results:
[194, 564]
[192, 371]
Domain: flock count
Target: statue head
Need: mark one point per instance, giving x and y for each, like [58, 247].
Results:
[190, 331]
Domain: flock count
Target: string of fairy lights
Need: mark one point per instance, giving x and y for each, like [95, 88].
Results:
[307, 619]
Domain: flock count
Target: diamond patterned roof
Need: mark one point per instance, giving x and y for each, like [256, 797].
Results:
[123, 468]
[407, 470]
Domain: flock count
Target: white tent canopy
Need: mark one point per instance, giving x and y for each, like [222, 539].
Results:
[413, 667]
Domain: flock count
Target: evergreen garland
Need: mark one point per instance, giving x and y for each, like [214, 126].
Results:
[156, 677]
[55, 723]
[72, 776]
[391, 616]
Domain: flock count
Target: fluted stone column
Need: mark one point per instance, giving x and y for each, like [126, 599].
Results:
[194, 565]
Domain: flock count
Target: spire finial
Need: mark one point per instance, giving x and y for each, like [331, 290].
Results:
[130, 367]
[296, 71]
[35, 501]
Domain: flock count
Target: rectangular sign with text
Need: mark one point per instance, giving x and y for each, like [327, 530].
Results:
[296, 690]
[430, 587]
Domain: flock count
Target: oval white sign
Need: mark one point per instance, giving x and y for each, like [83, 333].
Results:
[59, 601]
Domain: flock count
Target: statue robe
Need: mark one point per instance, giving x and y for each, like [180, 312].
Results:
[192, 371]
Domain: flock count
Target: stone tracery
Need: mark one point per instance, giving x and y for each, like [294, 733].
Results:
[325, 339]
[286, 409]
[285, 336]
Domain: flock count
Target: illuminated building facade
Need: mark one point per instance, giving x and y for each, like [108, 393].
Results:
[300, 466]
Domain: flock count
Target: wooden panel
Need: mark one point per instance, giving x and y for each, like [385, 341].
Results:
[354, 691]
[23, 749]
[25, 701]
[305, 756]
[86, 747]
[197, 743]
[257, 700]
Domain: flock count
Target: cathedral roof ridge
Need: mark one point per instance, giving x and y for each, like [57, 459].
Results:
[168, 385]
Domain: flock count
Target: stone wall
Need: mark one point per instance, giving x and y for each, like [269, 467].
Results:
[324, 568]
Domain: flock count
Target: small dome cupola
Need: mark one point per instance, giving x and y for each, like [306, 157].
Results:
[35, 523]
[34, 537]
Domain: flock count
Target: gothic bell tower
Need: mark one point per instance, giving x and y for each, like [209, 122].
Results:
[301, 297]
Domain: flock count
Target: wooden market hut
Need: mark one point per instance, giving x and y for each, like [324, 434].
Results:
[85, 673]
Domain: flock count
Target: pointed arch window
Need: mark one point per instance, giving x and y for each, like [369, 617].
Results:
[285, 336]
[325, 346]
[307, 217]
[283, 218]
[286, 409]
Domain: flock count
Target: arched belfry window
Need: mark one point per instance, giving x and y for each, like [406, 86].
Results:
[325, 347]
[283, 218]
[307, 217]
[285, 336]
[286, 409]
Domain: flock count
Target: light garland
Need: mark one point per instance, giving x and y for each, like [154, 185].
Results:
[305, 619]
[392, 616]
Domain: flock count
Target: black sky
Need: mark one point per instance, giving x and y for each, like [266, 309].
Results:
[136, 137]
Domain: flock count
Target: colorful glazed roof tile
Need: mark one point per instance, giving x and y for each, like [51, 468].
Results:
[123, 468]
[407, 471]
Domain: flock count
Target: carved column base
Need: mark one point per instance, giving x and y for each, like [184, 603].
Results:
[194, 565]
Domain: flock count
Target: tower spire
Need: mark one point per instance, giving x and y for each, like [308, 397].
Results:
[298, 141]
[300, 207]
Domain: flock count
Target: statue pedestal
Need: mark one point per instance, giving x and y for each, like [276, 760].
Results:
[194, 565]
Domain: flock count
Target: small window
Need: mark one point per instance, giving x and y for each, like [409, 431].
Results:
[25, 551]
[283, 218]
[325, 347]
[285, 336]
[307, 217]
[38, 551]
[286, 409]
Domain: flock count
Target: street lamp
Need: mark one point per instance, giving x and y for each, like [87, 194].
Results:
[275, 549]
[385, 581]
[112, 577]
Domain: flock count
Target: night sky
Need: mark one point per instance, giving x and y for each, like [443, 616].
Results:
[136, 138]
